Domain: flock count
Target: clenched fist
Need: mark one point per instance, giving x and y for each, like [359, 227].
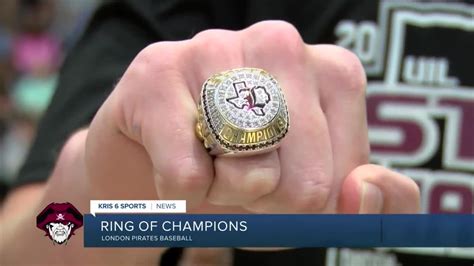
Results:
[143, 140]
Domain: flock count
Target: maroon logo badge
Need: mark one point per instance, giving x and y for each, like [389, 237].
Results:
[59, 221]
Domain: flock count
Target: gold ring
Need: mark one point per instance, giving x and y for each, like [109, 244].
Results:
[242, 112]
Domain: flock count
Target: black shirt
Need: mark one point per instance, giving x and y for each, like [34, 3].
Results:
[414, 54]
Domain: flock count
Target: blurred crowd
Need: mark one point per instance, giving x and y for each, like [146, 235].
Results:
[35, 36]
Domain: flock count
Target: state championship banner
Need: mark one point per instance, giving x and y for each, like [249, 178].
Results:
[148, 229]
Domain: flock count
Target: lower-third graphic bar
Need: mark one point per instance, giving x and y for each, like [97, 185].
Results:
[274, 230]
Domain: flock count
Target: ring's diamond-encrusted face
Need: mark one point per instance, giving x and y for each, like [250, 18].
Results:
[244, 109]
[248, 100]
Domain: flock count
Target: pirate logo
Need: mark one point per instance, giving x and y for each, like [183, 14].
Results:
[253, 99]
[59, 221]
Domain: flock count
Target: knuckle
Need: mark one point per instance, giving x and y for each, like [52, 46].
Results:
[72, 148]
[185, 174]
[225, 47]
[140, 89]
[259, 182]
[278, 35]
[277, 30]
[155, 61]
[191, 182]
[155, 64]
[160, 56]
[208, 37]
[74, 142]
[344, 67]
[312, 199]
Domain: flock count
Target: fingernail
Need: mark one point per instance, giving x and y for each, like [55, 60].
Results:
[371, 199]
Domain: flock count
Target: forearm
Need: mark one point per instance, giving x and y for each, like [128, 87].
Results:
[68, 182]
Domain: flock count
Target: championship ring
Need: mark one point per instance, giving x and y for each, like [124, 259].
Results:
[242, 112]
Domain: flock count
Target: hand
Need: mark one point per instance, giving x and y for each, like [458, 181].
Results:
[142, 140]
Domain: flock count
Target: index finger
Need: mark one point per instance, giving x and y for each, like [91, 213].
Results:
[152, 106]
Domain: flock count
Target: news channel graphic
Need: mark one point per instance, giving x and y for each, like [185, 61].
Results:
[165, 223]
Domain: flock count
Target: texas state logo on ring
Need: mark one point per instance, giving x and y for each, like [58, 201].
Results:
[242, 112]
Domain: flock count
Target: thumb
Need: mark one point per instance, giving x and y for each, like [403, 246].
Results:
[373, 189]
